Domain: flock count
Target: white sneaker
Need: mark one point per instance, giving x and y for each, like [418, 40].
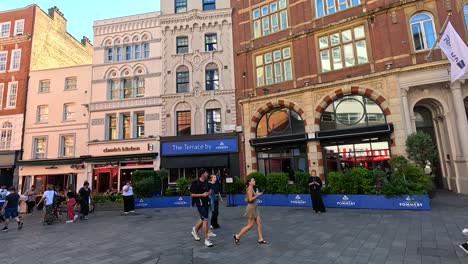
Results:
[211, 227]
[75, 217]
[132, 211]
[195, 235]
[125, 213]
[208, 243]
[211, 234]
[69, 221]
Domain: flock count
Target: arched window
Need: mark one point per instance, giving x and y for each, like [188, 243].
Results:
[465, 11]
[5, 136]
[351, 111]
[182, 79]
[280, 122]
[423, 31]
[212, 77]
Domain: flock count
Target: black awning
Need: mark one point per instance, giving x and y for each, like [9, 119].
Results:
[360, 131]
[127, 157]
[279, 140]
[199, 161]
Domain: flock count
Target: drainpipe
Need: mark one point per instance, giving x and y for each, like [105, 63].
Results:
[23, 129]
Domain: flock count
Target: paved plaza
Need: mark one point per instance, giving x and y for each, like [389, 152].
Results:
[296, 235]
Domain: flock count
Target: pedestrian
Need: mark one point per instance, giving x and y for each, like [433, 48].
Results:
[48, 200]
[31, 199]
[215, 196]
[59, 198]
[464, 246]
[315, 186]
[85, 198]
[3, 194]
[71, 203]
[10, 208]
[200, 192]
[251, 213]
[129, 200]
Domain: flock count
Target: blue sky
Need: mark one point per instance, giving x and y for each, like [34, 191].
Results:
[81, 14]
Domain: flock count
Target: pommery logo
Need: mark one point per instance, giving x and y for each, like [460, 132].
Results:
[221, 146]
[345, 201]
[142, 203]
[180, 201]
[298, 200]
[410, 202]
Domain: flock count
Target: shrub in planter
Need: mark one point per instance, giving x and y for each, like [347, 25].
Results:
[260, 180]
[183, 185]
[277, 182]
[301, 183]
[146, 183]
[337, 183]
[406, 178]
[106, 198]
[236, 187]
[354, 181]
[420, 148]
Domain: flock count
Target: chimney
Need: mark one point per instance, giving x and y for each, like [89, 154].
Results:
[54, 10]
[58, 17]
[85, 41]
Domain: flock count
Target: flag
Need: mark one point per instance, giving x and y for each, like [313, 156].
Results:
[456, 51]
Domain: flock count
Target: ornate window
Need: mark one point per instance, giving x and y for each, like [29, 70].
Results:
[183, 123]
[209, 5]
[211, 42]
[5, 136]
[423, 31]
[212, 77]
[273, 67]
[182, 45]
[180, 6]
[270, 18]
[280, 122]
[343, 49]
[350, 112]
[182, 79]
[213, 121]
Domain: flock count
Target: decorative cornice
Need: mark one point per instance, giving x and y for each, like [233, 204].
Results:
[148, 75]
[125, 104]
[125, 24]
[194, 15]
[203, 94]
[156, 40]
[15, 39]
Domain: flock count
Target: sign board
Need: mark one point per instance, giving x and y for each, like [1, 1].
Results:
[199, 146]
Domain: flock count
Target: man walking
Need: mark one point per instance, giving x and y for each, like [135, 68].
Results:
[85, 198]
[200, 192]
[3, 194]
[10, 208]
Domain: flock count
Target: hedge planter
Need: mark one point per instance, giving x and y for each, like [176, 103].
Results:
[404, 202]
[108, 206]
[163, 202]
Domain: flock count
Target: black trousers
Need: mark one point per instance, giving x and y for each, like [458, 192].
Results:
[317, 202]
[129, 203]
[214, 214]
[31, 205]
[84, 205]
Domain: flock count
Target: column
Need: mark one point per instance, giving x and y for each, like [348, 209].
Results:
[407, 112]
[460, 116]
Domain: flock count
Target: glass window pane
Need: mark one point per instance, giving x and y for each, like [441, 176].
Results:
[379, 145]
[362, 147]
[465, 10]
[348, 55]
[359, 32]
[259, 60]
[278, 122]
[284, 19]
[335, 39]
[269, 74]
[361, 50]
[286, 53]
[273, 7]
[417, 37]
[325, 61]
[276, 55]
[429, 34]
[262, 128]
[266, 26]
[256, 13]
[257, 29]
[278, 72]
[342, 4]
[282, 4]
[287, 70]
[274, 23]
[346, 35]
[319, 5]
[355, 2]
[267, 57]
[264, 10]
[337, 63]
[331, 7]
[260, 77]
[323, 42]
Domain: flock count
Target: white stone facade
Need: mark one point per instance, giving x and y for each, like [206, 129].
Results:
[195, 24]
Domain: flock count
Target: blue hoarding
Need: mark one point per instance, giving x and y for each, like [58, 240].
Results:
[199, 146]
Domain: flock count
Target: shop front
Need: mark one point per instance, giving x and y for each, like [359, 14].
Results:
[7, 167]
[185, 156]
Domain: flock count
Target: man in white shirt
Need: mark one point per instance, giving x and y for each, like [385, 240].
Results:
[129, 200]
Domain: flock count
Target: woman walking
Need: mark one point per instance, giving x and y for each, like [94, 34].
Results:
[71, 203]
[31, 200]
[214, 200]
[48, 200]
[85, 199]
[251, 213]
[129, 201]
[315, 186]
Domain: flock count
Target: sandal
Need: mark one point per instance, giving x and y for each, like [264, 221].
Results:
[236, 240]
[263, 242]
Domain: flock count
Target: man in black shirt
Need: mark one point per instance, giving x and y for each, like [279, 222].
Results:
[10, 208]
[200, 192]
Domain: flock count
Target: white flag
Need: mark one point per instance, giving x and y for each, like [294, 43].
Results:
[456, 51]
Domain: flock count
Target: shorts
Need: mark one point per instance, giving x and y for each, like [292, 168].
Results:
[203, 212]
[11, 213]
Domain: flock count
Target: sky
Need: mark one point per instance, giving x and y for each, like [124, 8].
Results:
[81, 14]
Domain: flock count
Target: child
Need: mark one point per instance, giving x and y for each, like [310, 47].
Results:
[71, 202]
[10, 209]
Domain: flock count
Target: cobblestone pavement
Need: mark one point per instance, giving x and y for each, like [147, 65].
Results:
[296, 235]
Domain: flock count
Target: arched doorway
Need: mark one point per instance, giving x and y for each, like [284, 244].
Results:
[429, 118]
[280, 141]
[354, 132]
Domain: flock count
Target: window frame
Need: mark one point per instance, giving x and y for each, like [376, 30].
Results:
[262, 18]
[12, 60]
[181, 48]
[125, 131]
[42, 117]
[6, 134]
[213, 45]
[5, 55]
[16, 33]
[9, 29]
[265, 65]
[211, 84]
[35, 145]
[71, 114]
[182, 4]
[179, 124]
[67, 84]
[212, 124]
[42, 86]
[182, 81]
[325, 6]
[9, 94]
[208, 5]
[423, 31]
[62, 145]
[136, 125]
[109, 128]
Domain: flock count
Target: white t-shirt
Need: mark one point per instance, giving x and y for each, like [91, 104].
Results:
[49, 197]
[127, 190]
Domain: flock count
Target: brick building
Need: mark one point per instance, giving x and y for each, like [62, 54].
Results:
[30, 39]
[328, 85]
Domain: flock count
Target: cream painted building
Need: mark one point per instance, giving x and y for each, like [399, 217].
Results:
[125, 106]
[198, 113]
[56, 128]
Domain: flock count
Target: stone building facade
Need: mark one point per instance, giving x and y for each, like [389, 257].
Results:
[329, 85]
[125, 107]
[199, 107]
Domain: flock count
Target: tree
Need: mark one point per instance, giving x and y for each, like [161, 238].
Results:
[421, 148]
